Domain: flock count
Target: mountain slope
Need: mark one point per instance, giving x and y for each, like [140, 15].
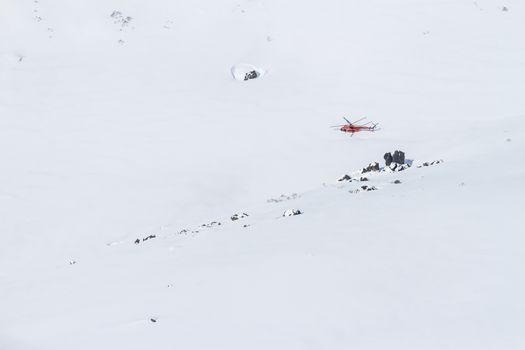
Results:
[114, 129]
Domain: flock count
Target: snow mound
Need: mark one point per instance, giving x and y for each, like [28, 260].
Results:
[245, 71]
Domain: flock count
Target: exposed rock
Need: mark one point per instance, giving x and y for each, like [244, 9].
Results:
[236, 217]
[364, 188]
[283, 198]
[434, 162]
[371, 167]
[251, 75]
[345, 178]
[363, 178]
[292, 212]
[211, 224]
[245, 71]
[399, 157]
[388, 158]
[138, 240]
[397, 182]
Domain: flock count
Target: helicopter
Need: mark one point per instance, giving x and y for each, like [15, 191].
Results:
[352, 127]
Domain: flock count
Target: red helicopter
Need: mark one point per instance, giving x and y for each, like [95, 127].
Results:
[352, 128]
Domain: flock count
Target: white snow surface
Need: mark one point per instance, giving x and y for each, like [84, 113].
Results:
[115, 129]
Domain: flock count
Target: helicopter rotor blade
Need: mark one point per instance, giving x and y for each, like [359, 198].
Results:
[357, 121]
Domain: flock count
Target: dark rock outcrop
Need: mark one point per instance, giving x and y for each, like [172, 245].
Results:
[399, 157]
[371, 167]
[388, 158]
[251, 75]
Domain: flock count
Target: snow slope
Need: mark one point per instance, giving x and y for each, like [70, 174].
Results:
[113, 130]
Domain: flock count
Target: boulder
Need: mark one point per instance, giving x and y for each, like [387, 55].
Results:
[399, 157]
[388, 158]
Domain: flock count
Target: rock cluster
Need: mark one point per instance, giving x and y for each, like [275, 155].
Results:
[292, 212]
[211, 224]
[397, 167]
[350, 179]
[137, 241]
[371, 167]
[236, 217]
[364, 189]
[431, 163]
[251, 75]
[398, 157]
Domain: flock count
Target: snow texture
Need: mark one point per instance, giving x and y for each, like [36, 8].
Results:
[128, 145]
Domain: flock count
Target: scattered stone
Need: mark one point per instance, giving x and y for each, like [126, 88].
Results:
[72, 262]
[236, 217]
[434, 162]
[138, 240]
[508, 140]
[283, 198]
[292, 212]
[210, 225]
[504, 9]
[246, 225]
[397, 182]
[364, 188]
[148, 237]
[153, 320]
[371, 167]
[119, 18]
[363, 178]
